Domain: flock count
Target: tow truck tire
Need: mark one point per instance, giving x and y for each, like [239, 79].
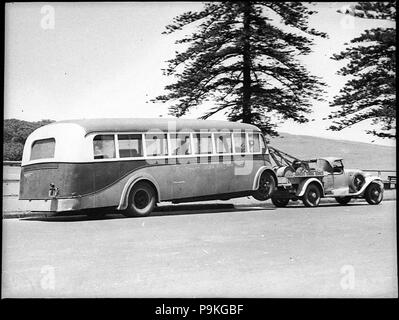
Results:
[312, 196]
[374, 193]
[280, 203]
[343, 200]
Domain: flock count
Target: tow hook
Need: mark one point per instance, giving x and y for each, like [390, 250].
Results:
[53, 191]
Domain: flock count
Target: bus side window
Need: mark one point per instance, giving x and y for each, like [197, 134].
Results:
[254, 143]
[223, 143]
[180, 144]
[156, 144]
[202, 143]
[240, 145]
[130, 145]
[104, 146]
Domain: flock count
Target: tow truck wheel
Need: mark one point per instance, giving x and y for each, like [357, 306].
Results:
[374, 193]
[343, 200]
[280, 202]
[312, 196]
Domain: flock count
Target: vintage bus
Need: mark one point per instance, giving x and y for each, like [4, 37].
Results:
[133, 164]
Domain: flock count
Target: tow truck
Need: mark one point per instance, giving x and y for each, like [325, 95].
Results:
[323, 177]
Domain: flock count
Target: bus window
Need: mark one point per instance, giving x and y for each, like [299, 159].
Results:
[156, 144]
[262, 144]
[254, 143]
[43, 149]
[130, 145]
[223, 142]
[202, 143]
[240, 144]
[180, 144]
[104, 146]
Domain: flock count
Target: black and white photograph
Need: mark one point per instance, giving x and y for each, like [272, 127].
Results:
[199, 150]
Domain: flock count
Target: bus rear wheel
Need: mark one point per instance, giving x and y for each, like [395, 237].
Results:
[142, 200]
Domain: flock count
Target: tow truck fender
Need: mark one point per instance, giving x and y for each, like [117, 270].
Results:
[304, 184]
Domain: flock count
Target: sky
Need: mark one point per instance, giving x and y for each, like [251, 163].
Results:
[104, 60]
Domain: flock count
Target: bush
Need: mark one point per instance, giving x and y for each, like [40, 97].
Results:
[15, 134]
[12, 151]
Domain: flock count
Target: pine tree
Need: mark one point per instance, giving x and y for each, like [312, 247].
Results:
[245, 63]
[370, 94]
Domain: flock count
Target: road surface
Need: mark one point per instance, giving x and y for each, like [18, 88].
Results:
[206, 251]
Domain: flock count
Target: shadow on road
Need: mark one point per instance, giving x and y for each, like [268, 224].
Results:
[178, 209]
[164, 210]
[293, 205]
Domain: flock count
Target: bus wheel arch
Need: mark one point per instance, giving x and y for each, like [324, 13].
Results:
[141, 199]
[124, 200]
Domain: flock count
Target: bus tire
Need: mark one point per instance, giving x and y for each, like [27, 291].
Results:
[142, 200]
[312, 196]
[374, 194]
[267, 185]
[343, 200]
[280, 202]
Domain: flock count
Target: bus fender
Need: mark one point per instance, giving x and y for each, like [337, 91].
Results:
[262, 169]
[304, 184]
[123, 202]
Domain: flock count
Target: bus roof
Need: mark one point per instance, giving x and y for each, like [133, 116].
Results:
[163, 124]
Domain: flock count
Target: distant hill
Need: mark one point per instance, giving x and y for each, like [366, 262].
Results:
[356, 154]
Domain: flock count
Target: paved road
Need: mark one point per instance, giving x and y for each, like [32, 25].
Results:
[218, 251]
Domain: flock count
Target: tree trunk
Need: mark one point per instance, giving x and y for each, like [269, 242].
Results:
[246, 97]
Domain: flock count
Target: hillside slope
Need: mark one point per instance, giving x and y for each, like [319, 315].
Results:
[356, 154]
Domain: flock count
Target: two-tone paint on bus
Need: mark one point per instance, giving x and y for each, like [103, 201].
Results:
[132, 164]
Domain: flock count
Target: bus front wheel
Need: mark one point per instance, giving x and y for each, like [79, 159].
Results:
[267, 185]
[142, 200]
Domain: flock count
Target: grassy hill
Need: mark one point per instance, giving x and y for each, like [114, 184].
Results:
[355, 154]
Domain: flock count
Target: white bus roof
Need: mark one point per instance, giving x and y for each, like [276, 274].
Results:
[146, 124]
[70, 133]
